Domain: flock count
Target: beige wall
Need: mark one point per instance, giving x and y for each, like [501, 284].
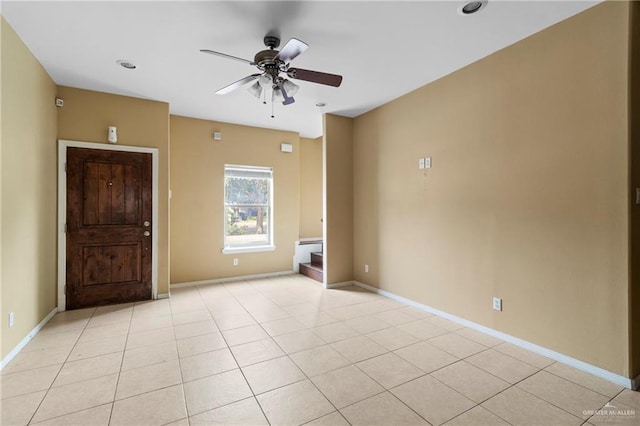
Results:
[2, 309]
[310, 188]
[28, 223]
[338, 213]
[3, 348]
[527, 197]
[197, 184]
[634, 209]
[366, 202]
[85, 117]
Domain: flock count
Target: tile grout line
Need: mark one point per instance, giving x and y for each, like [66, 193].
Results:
[514, 385]
[62, 366]
[610, 400]
[123, 399]
[72, 383]
[124, 350]
[234, 359]
[307, 377]
[285, 354]
[407, 405]
[361, 334]
[354, 364]
[477, 404]
[384, 388]
[579, 384]
[184, 394]
[550, 402]
[440, 368]
[388, 390]
[490, 373]
[290, 359]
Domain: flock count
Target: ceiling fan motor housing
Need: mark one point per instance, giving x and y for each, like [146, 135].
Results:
[265, 58]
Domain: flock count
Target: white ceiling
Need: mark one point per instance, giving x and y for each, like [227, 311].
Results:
[383, 49]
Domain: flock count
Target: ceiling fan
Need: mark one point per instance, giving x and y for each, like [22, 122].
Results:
[272, 65]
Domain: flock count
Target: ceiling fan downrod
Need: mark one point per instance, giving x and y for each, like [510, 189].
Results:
[271, 42]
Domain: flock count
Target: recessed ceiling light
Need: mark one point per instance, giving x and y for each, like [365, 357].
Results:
[321, 104]
[472, 7]
[126, 64]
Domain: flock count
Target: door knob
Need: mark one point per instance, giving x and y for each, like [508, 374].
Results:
[146, 233]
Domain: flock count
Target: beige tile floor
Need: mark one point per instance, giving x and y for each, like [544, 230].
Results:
[284, 351]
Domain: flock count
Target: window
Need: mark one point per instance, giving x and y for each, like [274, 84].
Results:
[248, 218]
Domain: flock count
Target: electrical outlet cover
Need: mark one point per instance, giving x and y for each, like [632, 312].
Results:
[497, 304]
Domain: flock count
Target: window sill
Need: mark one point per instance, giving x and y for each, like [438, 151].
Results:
[253, 249]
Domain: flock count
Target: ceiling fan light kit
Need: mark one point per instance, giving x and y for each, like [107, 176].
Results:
[274, 69]
[290, 89]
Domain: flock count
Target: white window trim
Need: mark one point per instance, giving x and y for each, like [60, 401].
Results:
[253, 248]
[249, 249]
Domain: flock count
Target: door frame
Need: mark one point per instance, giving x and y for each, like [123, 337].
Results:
[62, 210]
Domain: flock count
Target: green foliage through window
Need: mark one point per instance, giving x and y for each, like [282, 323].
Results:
[248, 195]
[248, 191]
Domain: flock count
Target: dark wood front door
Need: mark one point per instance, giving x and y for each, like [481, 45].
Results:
[109, 214]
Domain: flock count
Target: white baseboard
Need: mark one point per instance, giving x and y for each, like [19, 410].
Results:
[162, 296]
[27, 339]
[231, 279]
[564, 359]
[341, 284]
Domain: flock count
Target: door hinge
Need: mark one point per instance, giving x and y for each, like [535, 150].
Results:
[65, 167]
[65, 228]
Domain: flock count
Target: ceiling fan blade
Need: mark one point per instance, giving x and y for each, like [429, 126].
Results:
[293, 48]
[238, 84]
[315, 76]
[287, 100]
[224, 55]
